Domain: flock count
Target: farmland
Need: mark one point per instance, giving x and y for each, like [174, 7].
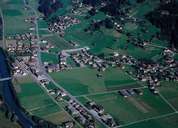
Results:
[85, 81]
[131, 109]
[85, 64]
[35, 101]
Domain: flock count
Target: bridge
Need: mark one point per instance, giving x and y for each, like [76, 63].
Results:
[5, 79]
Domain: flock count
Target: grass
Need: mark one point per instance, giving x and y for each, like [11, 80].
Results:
[42, 24]
[58, 117]
[97, 41]
[170, 91]
[45, 111]
[166, 122]
[176, 57]
[12, 12]
[35, 100]
[130, 27]
[5, 123]
[14, 16]
[59, 43]
[127, 110]
[32, 96]
[84, 81]
[38, 103]
[50, 58]
[64, 9]
[141, 9]
[139, 53]
[50, 86]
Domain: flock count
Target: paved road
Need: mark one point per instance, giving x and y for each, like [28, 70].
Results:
[41, 67]
[76, 49]
[5, 79]
[74, 98]
[8, 92]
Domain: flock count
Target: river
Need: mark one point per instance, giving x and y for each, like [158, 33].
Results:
[9, 95]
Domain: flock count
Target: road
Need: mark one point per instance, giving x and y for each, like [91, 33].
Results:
[75, 50]
[41, 67]
[5, 79]
[7, 89]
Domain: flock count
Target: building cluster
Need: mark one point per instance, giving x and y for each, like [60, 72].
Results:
[52, 67]
[62, 23]
[57, 93]
[17, 69]
[30, 20]
[73, 43]
[153, 73]
[30, 64]
[118, 27]
[83, 58]
[19, 47]
[76, 7]
[150, 74]
[168, 56]
[46, 46]
[68, 124]
[99, 111]
[62, 64]
[63, 60]
[25, 36]
[62, 57]
[80, 114]
[130, 92]
[138, 42]
[73, 107]
[170, 70]
[119, 59]
[40, 76]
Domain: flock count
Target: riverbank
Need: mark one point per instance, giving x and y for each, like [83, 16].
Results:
[9, 96]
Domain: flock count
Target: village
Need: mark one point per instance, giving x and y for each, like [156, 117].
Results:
[95, 73]
[28, 62]
[62, 23]
[150, 73]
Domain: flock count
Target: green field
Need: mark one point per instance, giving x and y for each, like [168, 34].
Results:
[58, 42]
[58, 117]
[84, 81]
[50, 58]
[36, 101]
[14, 16]
[165, 122]
[170, 91]
[145, 111]
[97, 41]
[131, 109]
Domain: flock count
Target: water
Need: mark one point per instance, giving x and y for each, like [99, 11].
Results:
[9, 96]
